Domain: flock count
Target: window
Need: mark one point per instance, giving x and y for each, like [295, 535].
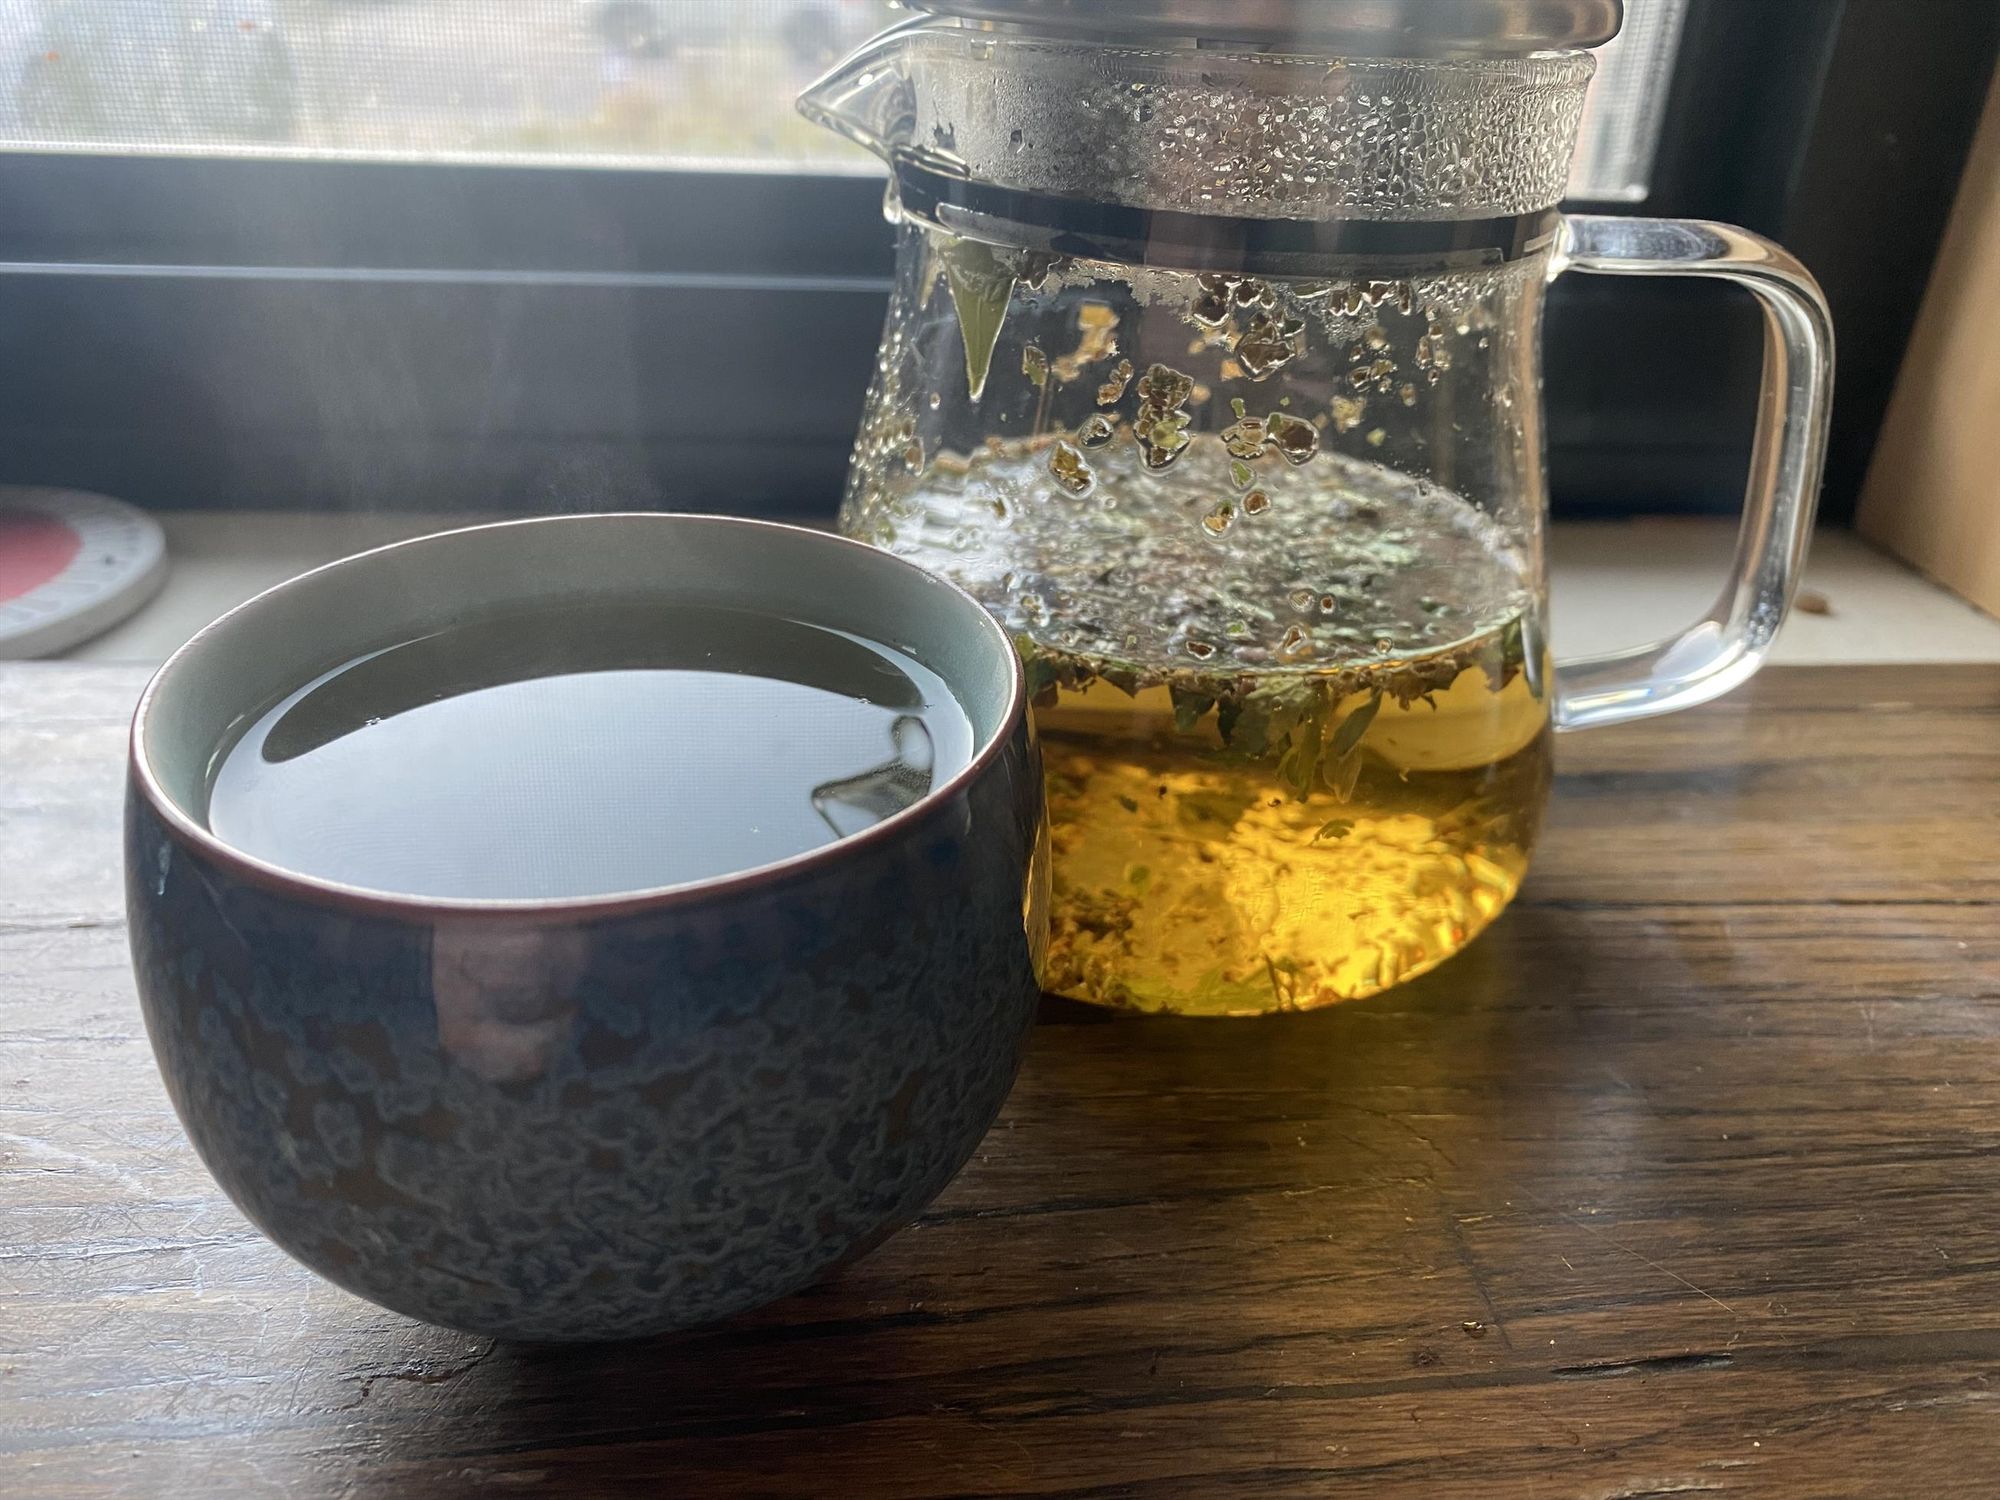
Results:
[501, 254]
[1628, 104]
[681, 83]
[676, 83]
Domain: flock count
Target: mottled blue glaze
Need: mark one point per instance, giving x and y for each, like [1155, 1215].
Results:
[603, 1127]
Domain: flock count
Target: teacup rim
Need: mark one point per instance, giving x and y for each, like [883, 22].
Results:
[190, 831]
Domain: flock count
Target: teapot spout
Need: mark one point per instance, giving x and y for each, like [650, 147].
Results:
[867, 97]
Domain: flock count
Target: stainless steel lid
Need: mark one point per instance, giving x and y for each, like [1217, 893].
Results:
[1355, 28]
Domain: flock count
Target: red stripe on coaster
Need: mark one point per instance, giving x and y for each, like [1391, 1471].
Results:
[33, 549]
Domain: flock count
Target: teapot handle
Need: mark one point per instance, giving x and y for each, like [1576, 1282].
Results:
[1728, 644]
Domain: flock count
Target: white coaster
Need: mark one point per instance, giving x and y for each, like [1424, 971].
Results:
[72, 565]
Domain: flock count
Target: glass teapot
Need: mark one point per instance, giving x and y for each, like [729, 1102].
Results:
[1212, 369]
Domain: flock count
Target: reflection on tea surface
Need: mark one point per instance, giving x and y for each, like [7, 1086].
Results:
[585, 749]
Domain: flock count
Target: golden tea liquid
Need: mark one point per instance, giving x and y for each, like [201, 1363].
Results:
[1194, 881]
[585, 749]
[1295, 732]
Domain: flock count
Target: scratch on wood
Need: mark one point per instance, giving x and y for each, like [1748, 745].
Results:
[42, 1151]
[1664, 1364]
[150, 1247]
[1954, 1398]
[1663, 1270]
[1618, 1244]
[1455, 1235]
[415, 1372]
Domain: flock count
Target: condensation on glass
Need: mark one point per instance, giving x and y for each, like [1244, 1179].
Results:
[585, 82]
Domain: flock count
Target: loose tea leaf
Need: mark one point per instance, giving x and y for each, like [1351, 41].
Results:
[1295, 438]
[1212, 300]
[1269, 344]
[1354, 726]
[1097, 338]
[1161, 425]
[1245, 438]
[1291, 717]
[981, 287]
[1163, 439]
[1070, 471]
[1189, 706]
[1341, 776]
[1164, 387]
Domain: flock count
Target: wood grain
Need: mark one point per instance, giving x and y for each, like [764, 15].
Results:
[1684, 1180]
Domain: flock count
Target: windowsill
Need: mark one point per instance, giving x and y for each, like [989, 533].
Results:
[1615, 584]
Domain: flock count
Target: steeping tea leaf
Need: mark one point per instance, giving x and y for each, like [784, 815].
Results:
[981, 285]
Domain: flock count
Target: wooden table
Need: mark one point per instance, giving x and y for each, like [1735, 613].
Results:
[1685, 1179]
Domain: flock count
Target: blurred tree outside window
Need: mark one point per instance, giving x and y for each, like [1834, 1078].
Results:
[680, 83]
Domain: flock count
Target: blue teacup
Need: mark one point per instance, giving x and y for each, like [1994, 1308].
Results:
[611, 1116]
